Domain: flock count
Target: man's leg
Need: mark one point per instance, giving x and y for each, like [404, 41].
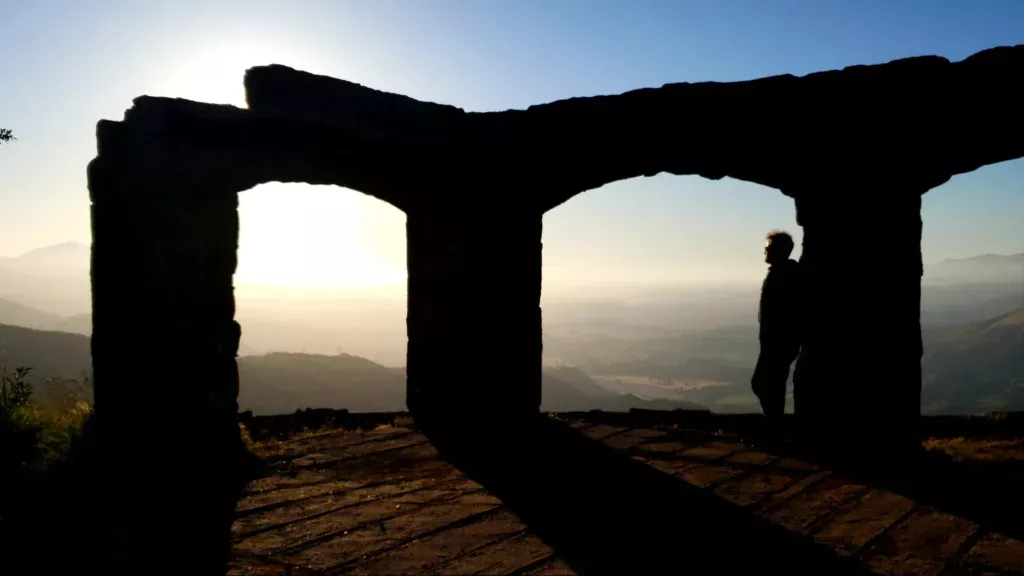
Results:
[769, 384]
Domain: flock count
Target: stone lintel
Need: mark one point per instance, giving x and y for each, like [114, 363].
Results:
[916, 121]
[218, 148]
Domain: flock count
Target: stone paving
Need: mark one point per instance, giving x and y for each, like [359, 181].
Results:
[383, 502]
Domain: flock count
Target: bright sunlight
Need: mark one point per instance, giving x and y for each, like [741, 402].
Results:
[296, 235]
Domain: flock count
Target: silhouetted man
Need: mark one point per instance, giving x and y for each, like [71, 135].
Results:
[780, 325]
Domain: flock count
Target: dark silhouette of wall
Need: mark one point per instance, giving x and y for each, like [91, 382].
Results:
[855, 148]
[857, 382]
[474, 308]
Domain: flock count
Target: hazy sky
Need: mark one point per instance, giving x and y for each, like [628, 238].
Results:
[66, 64]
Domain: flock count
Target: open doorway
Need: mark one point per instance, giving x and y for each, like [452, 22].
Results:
[320, 295]
[972, 293]
[651, 291]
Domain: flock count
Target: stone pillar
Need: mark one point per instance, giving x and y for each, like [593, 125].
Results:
[164, 345]
[474, 320]
[858, 378]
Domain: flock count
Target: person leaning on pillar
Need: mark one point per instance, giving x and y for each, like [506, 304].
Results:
[780, 326]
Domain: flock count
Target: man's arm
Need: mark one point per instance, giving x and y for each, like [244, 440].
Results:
[766, 306]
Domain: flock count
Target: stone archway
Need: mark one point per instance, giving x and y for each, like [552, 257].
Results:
[855, 148]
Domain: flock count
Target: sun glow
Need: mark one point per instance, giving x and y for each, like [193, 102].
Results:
[215, 73]
[297, 235]
[293, 236]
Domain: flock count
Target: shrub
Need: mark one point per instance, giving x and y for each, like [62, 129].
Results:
[62, 411]
[19, 430]
[39, 428]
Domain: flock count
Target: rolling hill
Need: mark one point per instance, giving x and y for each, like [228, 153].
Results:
[48, 353]
[17, 314]
[283, 382]
[977, 367]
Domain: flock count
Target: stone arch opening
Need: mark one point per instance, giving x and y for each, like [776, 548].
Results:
[972, 292]
[690, 275]
[321, 276]
[164, 189]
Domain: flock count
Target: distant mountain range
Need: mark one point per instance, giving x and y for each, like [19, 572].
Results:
[972, 368]
[29, 279]
[67, 256]
[54, 279]
[985, 269]
[49, 354]
[626, 354]
[283, 382]
[13, 313]
[953, 304]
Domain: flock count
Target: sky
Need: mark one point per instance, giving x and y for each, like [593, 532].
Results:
[67, 64]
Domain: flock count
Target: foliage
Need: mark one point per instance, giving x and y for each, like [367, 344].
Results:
[43, 462]
[63, 410]
[19, 431]
[15, 389]
[990, 450]
[39, 427]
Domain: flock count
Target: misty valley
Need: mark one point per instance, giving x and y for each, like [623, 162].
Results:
[692, 348]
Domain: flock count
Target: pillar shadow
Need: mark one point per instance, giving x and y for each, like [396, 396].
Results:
[605, 513]
[984, 492]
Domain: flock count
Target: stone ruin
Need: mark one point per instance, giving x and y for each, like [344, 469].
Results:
[854, 148]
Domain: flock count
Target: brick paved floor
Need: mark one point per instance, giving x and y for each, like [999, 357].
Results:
[383, 502]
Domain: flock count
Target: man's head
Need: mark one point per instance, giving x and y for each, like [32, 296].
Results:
[778, 246]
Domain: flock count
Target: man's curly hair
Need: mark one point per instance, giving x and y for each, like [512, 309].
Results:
[781, 238]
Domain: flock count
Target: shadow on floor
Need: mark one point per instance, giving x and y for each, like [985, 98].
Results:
[985, 491]
[606, 513]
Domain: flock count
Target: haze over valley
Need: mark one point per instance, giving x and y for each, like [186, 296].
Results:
[612, 348]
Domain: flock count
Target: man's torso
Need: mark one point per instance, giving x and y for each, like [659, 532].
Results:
[779, 313]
